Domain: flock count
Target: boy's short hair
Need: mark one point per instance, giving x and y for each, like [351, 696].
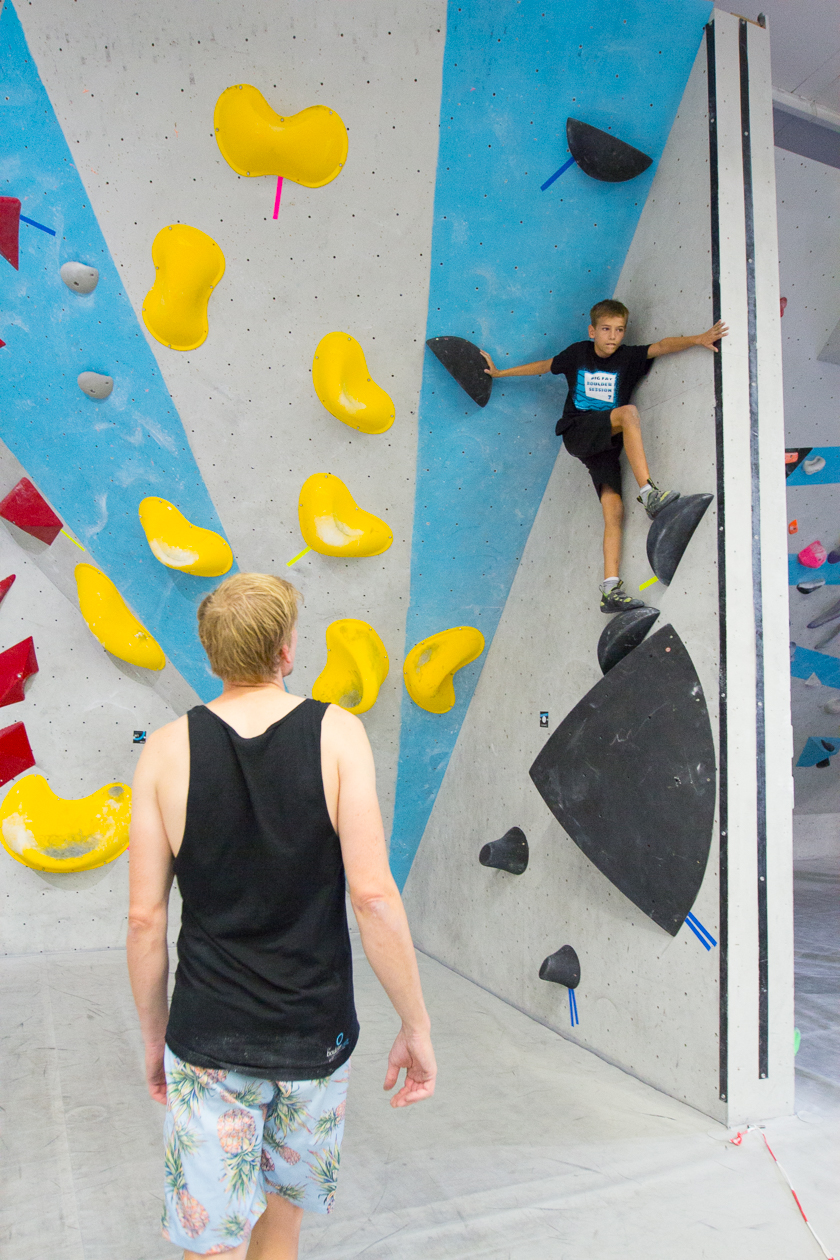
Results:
[608, 307]
[245, 623]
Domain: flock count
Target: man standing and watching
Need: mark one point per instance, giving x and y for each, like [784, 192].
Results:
[260, 803]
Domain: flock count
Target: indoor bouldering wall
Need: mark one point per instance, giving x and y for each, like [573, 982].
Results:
[668, 874]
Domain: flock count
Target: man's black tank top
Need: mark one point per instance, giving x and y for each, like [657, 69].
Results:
[264, 982]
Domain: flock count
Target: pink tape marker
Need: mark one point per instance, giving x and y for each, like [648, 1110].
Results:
[277, 197]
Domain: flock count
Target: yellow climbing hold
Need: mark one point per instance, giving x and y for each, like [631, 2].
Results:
[309, 148]
[430, 664]
[189, 265]
[49, 833]
[343, 384]
[357, 666]
[112, 622]
[331, 522]
[179, 544]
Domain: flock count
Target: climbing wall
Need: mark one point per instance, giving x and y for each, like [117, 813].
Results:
[669, 876]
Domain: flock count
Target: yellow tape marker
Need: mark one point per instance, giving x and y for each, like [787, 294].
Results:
[648, 583]
[299, 556]
[72, 539]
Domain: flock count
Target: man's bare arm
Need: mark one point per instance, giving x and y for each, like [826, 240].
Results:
[525, 369]
[673, 345]
[378, 906]
[150, 880]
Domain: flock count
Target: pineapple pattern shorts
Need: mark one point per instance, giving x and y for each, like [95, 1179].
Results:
[230, 1139]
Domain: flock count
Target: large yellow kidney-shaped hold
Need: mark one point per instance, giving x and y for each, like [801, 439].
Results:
[111, 621]
[49, 833]
[343, 384]
[309, 148]
[189, 265]
[430, 664]
[357, 666]
[179, 544]
[332, 524]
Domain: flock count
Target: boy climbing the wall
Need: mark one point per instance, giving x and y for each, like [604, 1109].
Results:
[599, 418]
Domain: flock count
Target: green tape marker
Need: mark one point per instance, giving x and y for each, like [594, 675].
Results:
[648, 583]
[300, 556]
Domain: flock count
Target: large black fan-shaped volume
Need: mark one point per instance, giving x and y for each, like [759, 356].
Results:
[602, 155]
[630, 775]
[671, 531]
[464, 362]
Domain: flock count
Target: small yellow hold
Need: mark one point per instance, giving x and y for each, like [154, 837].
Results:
[49, 833]
[179, 544]
[112, 622]
[309, 148]
[332, 524]
[430, 664]
[357, 666]
[343, 384]
[189, 265]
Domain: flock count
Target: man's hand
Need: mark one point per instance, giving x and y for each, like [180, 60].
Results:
[491, 369]
[155, 1074]
[714, 334]
[412, 1051]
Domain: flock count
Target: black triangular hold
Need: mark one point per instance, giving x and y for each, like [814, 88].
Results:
[831, 614]
[671, 531]
[562, 968]
[602, 155]
[508, 854]
[822, 765]
[624, 632]
[630, 776]
[464, 362]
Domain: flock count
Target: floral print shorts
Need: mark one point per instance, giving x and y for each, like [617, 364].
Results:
[230, 1139]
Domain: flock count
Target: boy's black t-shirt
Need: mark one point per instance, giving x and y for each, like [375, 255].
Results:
[597, 384]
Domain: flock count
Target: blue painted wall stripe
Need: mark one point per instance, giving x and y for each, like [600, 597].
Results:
[93, 461]
[516, 270]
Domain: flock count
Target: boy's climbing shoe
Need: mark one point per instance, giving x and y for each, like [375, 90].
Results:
[618, 601]
[655, 500]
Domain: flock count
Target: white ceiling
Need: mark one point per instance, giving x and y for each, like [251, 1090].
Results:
[804, 43]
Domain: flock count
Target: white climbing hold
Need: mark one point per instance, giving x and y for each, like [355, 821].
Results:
[813, 465]
[833, 706]
[95, 385]
[78, 277]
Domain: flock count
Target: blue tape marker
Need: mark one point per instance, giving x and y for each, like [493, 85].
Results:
[573, 1008]
[557, 174]
[32, 223]
[703, 935]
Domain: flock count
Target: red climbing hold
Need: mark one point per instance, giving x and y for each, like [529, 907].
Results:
[9, 229]
[6, 586]
[25, 507]
[813, 556]
[16, 665]
[15, 752]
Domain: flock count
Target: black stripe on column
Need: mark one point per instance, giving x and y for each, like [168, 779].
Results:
[723, 799]
[760, 752]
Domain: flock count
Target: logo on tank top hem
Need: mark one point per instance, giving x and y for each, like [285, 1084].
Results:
[339, 1044]
[597, 388]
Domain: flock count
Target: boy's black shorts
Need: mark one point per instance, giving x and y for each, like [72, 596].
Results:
[590, 439]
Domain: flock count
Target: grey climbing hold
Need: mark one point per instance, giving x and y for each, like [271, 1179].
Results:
[624, 632]
[79, 278]
[833, 706]
[830, 614]
[508, 854]
[95, 385]
[827, 638]
[601, 155]
[671, 532]
[562, 968]
[813, 465]
[808, 588]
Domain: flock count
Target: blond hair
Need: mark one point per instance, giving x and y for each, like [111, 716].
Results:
[244, 625]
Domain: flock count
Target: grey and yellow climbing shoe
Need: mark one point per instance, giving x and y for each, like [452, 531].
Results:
[655, 500]
[617, 600]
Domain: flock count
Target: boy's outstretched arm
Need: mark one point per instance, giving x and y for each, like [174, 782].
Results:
[525, 369]
[673, 345]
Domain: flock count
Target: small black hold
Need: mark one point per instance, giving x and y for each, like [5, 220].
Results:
[671, 532]
[562, 968]
[508, 854]
[601, 155]
[821, 765]
[465, 363]
[624, 632]
[139, 737]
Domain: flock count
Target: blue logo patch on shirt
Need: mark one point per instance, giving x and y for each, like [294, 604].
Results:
[595, 391]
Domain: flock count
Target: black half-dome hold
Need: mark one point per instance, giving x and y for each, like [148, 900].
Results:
[464, 362]
[508, 854]
[630, 776]
[624, 632]
[671, 531]
[562, 968]
[602, 155]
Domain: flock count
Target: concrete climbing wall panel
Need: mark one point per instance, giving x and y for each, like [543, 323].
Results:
[657, 1005]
